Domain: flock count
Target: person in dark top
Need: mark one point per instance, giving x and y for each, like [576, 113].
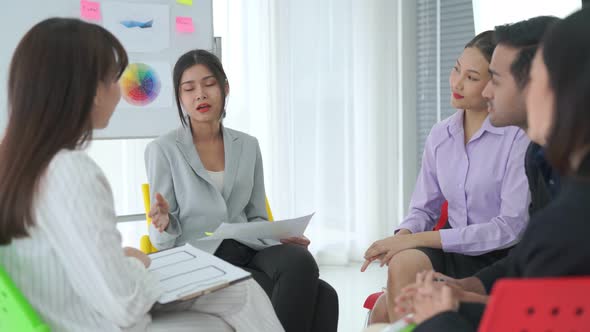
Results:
[555, 242]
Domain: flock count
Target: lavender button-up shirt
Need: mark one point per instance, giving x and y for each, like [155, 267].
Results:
[483, 181]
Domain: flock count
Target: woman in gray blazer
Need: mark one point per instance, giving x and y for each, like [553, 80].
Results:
[203, 174]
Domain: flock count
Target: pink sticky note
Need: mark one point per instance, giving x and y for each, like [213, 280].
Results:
[90, 10]
[184, 24]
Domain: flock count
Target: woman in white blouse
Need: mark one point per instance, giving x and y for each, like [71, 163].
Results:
[58, 238]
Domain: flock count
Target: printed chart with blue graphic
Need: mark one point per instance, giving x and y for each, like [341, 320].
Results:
[137, 24]
[140, 27]
[140, 84]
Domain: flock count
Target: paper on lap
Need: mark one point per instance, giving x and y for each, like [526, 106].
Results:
[187, 272]
[276, 230]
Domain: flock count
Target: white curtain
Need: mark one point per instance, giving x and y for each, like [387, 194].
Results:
[317, 83]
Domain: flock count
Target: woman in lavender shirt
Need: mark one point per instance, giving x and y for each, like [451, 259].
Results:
[479, 170]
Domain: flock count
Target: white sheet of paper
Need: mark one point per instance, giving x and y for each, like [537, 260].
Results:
[139, 27]
[189, 272]
[276, 230]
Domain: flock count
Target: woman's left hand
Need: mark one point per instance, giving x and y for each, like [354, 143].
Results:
[135, 253]
[386, 248]
[298, 240]
[432, 297]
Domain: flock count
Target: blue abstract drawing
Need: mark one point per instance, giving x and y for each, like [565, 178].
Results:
[137, 24]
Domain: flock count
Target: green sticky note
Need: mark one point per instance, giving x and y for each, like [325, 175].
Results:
[185, 2]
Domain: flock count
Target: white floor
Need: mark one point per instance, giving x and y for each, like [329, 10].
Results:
[353, 287]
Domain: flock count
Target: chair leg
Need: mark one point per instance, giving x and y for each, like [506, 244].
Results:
[368, 318]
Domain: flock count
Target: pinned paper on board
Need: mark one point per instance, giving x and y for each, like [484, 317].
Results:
[137, 24]
[90, 10]
[184, 24]
[185, 2]
[139, 27]
[146, 84]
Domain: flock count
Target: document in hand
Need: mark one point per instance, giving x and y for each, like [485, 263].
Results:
[276, 230]
[187, 272]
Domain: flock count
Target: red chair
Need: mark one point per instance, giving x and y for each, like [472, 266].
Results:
[442, 220]
[444, 215]
[548, 304]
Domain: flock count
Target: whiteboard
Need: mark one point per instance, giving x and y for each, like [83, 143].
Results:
[17, 17]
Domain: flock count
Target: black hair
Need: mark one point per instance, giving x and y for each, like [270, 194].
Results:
[526, 36]
[485, 43]
[566, 54]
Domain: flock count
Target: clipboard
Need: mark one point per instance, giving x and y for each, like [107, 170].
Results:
[187, 272]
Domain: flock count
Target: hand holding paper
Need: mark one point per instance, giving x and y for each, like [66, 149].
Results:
[277, 230]
[297, 240]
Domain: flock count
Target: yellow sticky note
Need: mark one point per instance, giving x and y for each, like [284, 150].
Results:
[185, 2]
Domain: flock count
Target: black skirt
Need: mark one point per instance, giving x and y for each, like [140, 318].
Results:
[459, 265]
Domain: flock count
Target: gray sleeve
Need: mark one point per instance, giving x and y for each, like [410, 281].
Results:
[159, 174]
[256, 208]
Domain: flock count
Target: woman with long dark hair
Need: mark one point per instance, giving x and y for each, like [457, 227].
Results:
[58, 235]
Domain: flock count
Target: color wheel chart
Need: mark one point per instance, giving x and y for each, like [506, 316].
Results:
[140, 84]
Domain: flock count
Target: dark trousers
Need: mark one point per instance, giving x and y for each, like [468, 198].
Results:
[467, 319]
[290, 277]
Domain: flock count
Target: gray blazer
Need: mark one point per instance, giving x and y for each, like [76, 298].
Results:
[175, 170]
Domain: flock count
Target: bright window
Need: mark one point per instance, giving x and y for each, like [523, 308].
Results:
[489, 13]
[122, 162]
